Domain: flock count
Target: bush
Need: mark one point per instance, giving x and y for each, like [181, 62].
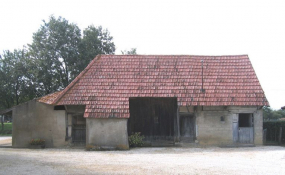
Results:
[37, 142]
[136, 139]
[273, 129]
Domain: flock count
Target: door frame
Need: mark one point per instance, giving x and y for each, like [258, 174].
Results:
[237, 130]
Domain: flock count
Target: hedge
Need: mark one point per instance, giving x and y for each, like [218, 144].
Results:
[273, 129]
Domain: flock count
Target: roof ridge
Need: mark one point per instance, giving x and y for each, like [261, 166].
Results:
[183, 55]
[76, 79]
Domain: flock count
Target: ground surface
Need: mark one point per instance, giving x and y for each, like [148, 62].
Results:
[253, 160]
[5, 141]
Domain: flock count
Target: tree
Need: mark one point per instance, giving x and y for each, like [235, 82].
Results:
[95, 41]
[133, 51]
[61, 53]
[270, 114]
[57, 54]
[15, 78]
[55, 49]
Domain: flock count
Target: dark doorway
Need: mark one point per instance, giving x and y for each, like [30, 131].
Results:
[153, 118]
[243, 132]
[78, 129]
[187, 127]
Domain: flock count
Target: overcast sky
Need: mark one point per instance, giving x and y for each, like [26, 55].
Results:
[219, 27]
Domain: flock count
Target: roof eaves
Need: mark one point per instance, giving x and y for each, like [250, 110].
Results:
[6, 110]
[76, 79]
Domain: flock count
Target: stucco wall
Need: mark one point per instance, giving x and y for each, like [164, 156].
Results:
[38, 120]
[110, 133]
[210, 130]
[258, 129]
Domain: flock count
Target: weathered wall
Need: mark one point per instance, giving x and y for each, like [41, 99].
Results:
[258, 127]
[210, 130]
[38, 120]
[109, 132]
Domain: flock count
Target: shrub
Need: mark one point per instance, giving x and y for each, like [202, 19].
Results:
[136, 139]
[273, 129]
[37, 142]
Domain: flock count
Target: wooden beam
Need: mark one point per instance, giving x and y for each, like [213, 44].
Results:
[66, 126]
[187, 109]
[178, 124]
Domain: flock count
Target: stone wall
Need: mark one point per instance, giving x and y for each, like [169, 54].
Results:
[33, 120]
[107, 133]
[210, 130]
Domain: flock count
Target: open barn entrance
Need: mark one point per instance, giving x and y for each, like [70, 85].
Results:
[75, 124]
[155, 118]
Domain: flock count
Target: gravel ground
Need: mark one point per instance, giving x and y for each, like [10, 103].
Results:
[5, 141]
[214, 160]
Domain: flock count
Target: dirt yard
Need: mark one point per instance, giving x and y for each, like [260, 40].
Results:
[254, 160]
[5, 141]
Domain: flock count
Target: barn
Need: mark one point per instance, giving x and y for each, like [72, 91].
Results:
[170, 99]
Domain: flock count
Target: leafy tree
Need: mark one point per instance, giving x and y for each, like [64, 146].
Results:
[61, 53]
[55, 49]
[95, 41]
[15, 78]
[57, 54]
[133, 51]
[270, 114]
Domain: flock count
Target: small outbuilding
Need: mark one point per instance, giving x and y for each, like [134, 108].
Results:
[206, 100]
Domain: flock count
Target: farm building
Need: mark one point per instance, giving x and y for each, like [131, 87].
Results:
[209, 100]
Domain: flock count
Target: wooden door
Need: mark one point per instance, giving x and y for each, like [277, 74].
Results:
[243, 129]
[246, 135]
[78, 129]
[187, 127]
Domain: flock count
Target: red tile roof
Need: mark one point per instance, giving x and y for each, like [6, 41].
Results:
[48, 99]
[109, 80]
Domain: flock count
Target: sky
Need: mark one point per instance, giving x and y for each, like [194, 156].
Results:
[204, 27]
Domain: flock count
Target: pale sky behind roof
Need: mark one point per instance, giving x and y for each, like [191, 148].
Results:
[203, 27]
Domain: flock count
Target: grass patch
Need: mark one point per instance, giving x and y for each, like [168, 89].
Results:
[7, 129]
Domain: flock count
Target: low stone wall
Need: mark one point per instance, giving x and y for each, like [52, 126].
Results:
[106, 133]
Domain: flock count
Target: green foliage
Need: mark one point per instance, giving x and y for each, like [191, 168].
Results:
[270, 114]
[61, 53]
[37, 142]
[273, 129]
[7, 130]
[133, 51]
[55, 50]
[95, 41]
[57, 54]
[136, 139]
[15, 78]
[8, 126]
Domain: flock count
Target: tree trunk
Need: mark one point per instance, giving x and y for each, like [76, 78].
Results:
[2, 122]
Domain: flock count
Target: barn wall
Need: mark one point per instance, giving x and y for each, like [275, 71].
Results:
[33, 120]
[108, 133]
[212, 131]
